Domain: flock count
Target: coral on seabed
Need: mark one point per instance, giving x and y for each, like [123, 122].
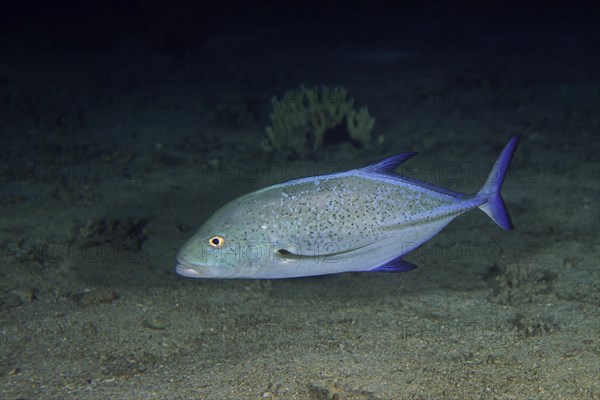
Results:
[301, 119]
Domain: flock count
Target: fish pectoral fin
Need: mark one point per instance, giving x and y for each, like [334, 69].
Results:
[289, 255]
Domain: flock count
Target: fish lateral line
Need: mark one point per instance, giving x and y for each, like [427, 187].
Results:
[435, 215]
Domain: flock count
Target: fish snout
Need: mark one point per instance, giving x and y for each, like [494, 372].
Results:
[185, 268]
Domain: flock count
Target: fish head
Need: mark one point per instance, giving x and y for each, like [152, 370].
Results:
[227, 245]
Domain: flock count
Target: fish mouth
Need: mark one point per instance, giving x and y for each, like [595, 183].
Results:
[190, 270]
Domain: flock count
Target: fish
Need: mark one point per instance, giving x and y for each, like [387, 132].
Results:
[362, 220]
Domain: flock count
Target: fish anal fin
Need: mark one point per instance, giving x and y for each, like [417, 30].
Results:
[395, 265]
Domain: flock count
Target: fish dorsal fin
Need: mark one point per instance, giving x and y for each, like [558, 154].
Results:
[388, 165]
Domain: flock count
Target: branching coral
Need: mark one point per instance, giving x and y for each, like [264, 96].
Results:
[301, 119]
[359, 126]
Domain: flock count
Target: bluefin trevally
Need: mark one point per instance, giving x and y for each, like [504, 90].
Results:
[364, 219]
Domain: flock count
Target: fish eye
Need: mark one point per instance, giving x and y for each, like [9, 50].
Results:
[216, 241]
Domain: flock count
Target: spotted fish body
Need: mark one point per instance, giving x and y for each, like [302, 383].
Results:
[360, 220]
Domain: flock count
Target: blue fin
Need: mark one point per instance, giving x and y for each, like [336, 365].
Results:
[395, 265]
[388, 165]
[494, 207]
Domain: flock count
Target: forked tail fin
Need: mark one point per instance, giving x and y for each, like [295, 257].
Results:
[494, 207]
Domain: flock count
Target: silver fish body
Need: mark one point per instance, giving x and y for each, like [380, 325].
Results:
[360, 220]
